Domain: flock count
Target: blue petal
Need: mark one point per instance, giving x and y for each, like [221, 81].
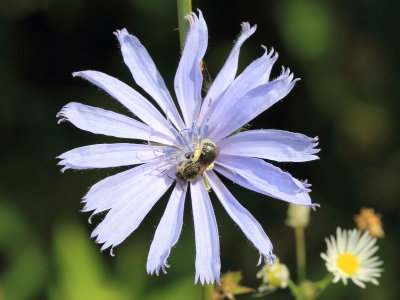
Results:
[131, 207]
[168, 231]
[189, 79]
[100, 121]
[278, 145]
[106, 193]
[131, 99]
[208, 263]
[262, 177]
[146, 74]
[249, 106]
[228, 71]
[247, 223]
[256, 74]
[110, 155]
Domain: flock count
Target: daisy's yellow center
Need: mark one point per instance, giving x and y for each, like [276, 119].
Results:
[348, 263]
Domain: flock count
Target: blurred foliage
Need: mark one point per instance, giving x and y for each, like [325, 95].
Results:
[346, 53]
[230, 286]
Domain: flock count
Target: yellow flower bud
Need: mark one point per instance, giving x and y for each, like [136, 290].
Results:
[273, 277]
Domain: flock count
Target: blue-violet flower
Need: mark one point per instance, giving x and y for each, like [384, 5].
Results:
[180, 152]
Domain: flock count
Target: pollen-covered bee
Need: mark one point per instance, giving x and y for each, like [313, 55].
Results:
[200, 160]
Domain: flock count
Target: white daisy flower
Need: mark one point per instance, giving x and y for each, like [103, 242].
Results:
[350, 255]
[186, 150]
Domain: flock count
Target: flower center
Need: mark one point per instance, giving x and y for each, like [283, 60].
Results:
[348, 263]
[196, 153]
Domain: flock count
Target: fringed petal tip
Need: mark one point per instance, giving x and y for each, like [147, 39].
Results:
[304, 187]
[154, 269]
[64, 164]
[287, 74]
[64, 168]
[105, 245]
[272, 55]
[247, 29]
[82, 74]
[211, 279]
[312, 148]
[306, 184]
[314, 206]
[191, 18]
[87, 209]
[120, 34]
[63, 113]
[269, 258]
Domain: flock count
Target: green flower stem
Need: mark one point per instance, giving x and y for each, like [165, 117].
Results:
[184, 8]
[207, 292]
[296, 292]
[300, 254]
[323, 284]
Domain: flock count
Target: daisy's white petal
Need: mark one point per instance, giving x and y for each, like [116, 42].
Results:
[110, 155]
[247, 223]
[127, 214]
[106, 193]
[100, 121]
[146, 74]
[208, 263]
[341, 240]
[168, 231]
[358, 282]
[262, 177]
[131, 99]
[271, 144]
[228, 71]
[250, 106]
[256, 74]
[189, 79]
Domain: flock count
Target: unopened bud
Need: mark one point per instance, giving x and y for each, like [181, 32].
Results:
[298, 216]
[274, 276]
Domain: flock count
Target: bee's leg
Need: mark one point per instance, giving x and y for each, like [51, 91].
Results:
[210, 167]
[170, 177]
[163, 171]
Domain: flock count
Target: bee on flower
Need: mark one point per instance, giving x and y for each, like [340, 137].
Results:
[350, 255]
[177, 147]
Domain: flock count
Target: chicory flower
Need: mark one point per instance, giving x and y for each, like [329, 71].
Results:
[174, 152]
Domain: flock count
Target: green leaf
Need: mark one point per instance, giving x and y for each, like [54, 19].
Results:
[80, 272]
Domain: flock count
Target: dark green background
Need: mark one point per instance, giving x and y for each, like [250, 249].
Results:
[346, 53]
